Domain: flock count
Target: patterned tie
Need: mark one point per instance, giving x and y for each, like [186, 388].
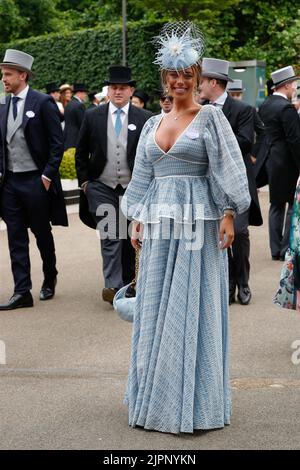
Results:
[118, 123]
[15, 100]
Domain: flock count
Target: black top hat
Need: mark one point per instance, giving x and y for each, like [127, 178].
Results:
[91, 95]
[51, 87]
[79, 87]
[119, 74]
[159, 92]
[142, 95]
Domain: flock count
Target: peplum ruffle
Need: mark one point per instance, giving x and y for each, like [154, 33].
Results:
[182, 198]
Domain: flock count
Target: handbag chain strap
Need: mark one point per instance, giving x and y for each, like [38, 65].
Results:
[137, 266]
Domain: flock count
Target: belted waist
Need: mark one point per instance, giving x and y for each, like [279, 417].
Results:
[189, 169]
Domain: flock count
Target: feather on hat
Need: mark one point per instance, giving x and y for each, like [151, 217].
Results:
[180, 45]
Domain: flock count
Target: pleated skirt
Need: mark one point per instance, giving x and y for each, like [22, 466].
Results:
[179, 368]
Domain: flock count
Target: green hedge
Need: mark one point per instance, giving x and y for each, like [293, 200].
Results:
[67, 166]
[85, 55]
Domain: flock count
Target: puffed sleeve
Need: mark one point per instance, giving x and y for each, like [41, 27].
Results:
[142, 174]
[227, 172]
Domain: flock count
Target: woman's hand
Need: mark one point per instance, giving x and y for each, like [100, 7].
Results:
[136, 235]
[226, 232]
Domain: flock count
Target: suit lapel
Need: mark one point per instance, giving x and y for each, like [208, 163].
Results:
[4, 117]
[102, 126]
[29, 108]
[131, 133]
[227, 107]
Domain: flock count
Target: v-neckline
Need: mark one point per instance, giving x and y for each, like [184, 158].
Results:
[180, 135]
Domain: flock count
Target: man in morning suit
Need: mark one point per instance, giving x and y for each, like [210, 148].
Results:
[31, 149]
[104, 162]
[235, 90]
[281, 160]
[240, 116]
[74, 114]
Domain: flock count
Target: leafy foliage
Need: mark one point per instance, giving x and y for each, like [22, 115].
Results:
[85, 55]
[89, 33]
[67, 166]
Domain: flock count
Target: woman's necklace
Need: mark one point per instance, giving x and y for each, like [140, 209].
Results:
[184, 112]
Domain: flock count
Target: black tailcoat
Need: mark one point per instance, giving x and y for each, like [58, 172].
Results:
[91, 147]
[241, 119]
[281, 157]
[43, 134]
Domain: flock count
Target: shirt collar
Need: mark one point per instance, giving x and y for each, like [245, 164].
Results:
[113, 108]
[221, 99]
[22, 95]
[280, 94]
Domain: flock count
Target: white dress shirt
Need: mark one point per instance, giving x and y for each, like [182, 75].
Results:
[219, 102]
[21, 101]
[277, 93]
[112, 108]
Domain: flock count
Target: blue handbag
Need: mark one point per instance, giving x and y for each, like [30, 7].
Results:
[124, 300]
[123, 305]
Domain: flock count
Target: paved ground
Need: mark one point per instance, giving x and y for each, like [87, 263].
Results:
[66, 361]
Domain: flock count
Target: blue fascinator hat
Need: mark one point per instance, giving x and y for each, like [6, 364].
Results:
[180, 45]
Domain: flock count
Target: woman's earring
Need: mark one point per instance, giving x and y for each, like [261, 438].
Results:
[167, 90]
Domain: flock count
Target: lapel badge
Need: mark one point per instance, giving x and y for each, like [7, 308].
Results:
[30, 114]
[132, 127]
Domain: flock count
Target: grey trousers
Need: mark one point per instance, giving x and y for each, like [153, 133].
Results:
[279, 228]
[117, 253]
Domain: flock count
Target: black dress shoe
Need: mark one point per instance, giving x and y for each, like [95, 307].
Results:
[244, 295]
[18, 301]
[48, 289]
[108, 294]
[275, 257]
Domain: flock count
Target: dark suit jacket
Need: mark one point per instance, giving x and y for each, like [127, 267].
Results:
[44, 138]
[74, 114]
[281, 158]
[91, 150]
[260, 133]
[241, 118]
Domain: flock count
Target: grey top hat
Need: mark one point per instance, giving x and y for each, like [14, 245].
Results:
[284, 75]
[18, 60]
[235, 85]
[215, 68]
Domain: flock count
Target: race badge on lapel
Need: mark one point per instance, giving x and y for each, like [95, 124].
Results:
[132, 127]
[30, 114]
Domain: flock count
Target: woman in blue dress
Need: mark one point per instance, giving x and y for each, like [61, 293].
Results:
[188, 182]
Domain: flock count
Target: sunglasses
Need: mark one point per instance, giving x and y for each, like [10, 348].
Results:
[164, 98]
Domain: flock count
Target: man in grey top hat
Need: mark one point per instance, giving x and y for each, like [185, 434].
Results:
[281, 160]
[31, 149]
[240, 116]
[104, 161]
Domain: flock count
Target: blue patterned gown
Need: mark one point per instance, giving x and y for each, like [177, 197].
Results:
[179, 370]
